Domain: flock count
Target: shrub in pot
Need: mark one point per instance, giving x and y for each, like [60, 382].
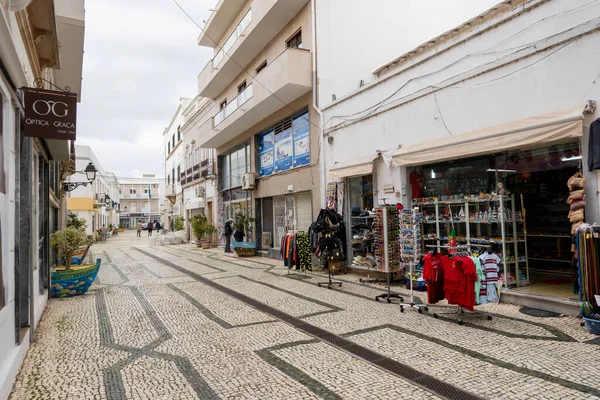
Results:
[202, 230]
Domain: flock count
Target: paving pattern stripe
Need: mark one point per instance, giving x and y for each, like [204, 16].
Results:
[207, 266]
[491, 360]
[148, 270]
[113, 380]
[208, 313]
[559, 335]
[404, 371]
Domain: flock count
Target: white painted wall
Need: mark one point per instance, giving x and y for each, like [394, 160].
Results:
[355, 37]
[481, 96]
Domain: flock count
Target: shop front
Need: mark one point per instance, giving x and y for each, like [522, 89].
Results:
[505, 190]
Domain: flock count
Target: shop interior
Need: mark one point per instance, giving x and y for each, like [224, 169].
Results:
[460, 202]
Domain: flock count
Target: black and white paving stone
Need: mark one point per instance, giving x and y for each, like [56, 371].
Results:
[177, 322]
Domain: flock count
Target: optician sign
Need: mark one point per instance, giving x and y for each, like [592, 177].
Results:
[50, 114]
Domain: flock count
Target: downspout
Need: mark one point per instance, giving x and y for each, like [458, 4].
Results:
[315, 103]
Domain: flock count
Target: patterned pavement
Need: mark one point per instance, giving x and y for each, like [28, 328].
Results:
[177, 322]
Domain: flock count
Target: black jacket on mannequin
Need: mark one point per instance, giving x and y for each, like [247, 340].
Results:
[594, 146]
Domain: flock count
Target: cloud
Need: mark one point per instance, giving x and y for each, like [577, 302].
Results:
[140, 57]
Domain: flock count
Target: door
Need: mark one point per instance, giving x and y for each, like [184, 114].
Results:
[290, 214]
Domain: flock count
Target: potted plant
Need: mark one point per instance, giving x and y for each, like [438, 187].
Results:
[68, 280]
[242, 224]
[202, 230]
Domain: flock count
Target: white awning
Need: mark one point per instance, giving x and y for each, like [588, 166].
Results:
[357, 167]
[528, 132]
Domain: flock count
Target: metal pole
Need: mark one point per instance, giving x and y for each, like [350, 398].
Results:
[502, 227]
[387, 250]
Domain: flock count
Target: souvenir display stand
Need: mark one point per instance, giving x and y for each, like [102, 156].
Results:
[331, 258]
[410, 250]
[387, 239]
[588, 268]
[478, 219]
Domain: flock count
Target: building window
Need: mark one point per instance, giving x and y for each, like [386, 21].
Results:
[233, 166]
[261, 67]
[175, 177]
[242, 87]
[173, 140]
[285, 146]
[223, 104]
[179, 170]
[178, 133]
[295, 42]
[132, 190]
[168, 179]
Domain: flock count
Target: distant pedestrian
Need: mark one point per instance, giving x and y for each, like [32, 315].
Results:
[139, 229]
[157, 227]
[228, 233]
[103, 234]
[150, 226]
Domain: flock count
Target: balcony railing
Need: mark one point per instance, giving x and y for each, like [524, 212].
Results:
[235, 35]
[233, 105]
[198, 171]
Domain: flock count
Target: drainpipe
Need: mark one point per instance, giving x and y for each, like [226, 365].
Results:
[315, 103]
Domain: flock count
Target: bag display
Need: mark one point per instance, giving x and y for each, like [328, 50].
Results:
[576, 195]
[576, 216]
[577, 181]
[575, 226]
[577, 204]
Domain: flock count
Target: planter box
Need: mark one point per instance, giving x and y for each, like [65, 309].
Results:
[75, 281]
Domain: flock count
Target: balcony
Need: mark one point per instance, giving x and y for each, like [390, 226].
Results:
[264, 20]
[287, 78]
[219, 21]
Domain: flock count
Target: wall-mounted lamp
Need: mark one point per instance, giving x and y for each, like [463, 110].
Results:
[90, 173]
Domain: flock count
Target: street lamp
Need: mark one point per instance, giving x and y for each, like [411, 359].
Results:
[90, 172]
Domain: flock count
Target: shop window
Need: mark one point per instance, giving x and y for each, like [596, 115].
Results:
[295, 42]
[262, 66]
[462, 195]
[285, 146]
[291, 213]
[233, 166]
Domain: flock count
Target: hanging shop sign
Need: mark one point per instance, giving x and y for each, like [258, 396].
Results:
[50, 114]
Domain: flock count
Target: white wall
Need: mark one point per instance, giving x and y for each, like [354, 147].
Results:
[355, 37]
[550, 80]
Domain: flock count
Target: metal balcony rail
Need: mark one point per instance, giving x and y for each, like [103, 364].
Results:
[233, 105]
[235, 35]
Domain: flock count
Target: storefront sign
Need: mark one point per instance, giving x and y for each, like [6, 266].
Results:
[267, 155]
[301, 141]
[284, 150]
[50, 114]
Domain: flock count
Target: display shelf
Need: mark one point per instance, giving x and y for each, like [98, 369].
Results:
[549, 236]
[365, 217]
[551, 272]
[550, 259]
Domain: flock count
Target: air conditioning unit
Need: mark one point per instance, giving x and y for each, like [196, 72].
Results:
[248, 181]
[155, 186]
[200, 191]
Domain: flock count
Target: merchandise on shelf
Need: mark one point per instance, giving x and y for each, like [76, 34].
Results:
[392, 229]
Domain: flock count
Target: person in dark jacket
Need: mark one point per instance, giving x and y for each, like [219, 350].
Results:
[150, 226]
[238, 235]
[228, 233]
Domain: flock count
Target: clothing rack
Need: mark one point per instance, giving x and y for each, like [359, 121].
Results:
[460, 310]
[386, 218]
[412, 259]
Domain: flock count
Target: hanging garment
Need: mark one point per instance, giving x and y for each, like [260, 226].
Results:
[491, 267]
[433, 273]
[480, 279]
[304, 257]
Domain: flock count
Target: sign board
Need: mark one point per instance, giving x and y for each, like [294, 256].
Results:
[50, 114]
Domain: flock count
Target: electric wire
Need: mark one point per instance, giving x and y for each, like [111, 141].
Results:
[480, 52]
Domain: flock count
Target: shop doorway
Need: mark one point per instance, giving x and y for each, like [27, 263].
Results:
[291, 213]
[529, 227]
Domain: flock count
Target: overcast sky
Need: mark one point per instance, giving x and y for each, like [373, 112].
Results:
[140, 57]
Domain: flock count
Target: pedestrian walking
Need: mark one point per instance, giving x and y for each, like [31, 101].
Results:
[150, 226]
[228, 233]
[157, 226]
[103, 234]
[139, 229]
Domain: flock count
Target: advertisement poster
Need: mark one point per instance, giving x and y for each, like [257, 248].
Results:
[341, 187]
[301, 141]
[267, 156]
[284, 150]
[332, 196]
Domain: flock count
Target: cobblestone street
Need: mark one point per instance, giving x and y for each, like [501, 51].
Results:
[177, 322]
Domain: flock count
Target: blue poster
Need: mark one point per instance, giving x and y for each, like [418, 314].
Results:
[301, 141]
[284, 150]
[267, 156]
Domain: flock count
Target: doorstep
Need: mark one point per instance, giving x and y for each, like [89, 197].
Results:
[558, 305]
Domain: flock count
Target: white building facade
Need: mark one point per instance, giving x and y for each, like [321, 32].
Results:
[98, 203]
[174, 166]
[503, 98]
[142, 200]
[32, 170]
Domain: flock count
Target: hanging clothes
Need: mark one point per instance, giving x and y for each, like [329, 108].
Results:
[433, 273]
[491, 267]
[304, 253]
[460, 276]
[480, 280]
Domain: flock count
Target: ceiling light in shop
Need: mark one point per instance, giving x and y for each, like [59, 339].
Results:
[501, 170]
[432, 174]
[573, 158]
